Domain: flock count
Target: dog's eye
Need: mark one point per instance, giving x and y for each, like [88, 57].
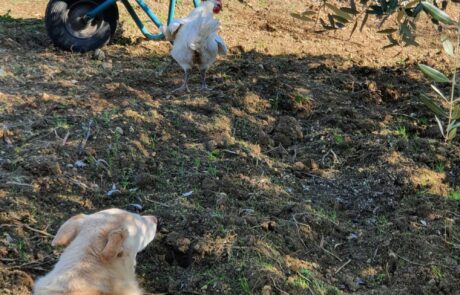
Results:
[120, 254]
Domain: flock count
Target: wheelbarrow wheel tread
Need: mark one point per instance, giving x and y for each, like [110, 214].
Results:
[57, 26]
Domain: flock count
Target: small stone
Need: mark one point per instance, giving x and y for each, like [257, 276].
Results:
[312, 165]
[211, 145]
[299, 166]
[457, 271]
[250, 220]
[351, 284]
[107, 65]
[99, 54]
[222, 200]
[267, 290]
[2, 73]
[269, 225]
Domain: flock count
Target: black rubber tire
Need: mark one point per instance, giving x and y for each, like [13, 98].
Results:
[68, 33]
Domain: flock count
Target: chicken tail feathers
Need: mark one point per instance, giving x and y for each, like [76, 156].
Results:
[207, 27]
[221, 47]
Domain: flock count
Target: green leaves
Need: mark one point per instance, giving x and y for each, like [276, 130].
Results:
[437, 13]
[456, 113]
[339, 12]
[433, 74]
[433, 106]
[305, 16]
[301, 17]
[387, 31]
[447, 45]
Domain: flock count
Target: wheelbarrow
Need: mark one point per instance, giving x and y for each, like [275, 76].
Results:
[85, 25]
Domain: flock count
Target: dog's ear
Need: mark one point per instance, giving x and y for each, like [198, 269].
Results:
[68, 231]
[114, 246]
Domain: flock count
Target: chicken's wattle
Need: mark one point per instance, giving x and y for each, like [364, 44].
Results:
[217, 7]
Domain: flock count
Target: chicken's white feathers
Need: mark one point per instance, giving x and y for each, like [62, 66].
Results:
[222, 48]
[195, 38]
[171, 30]
[208, 26]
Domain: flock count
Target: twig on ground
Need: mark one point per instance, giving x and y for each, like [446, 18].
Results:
[298, 231]
[343, 265]
[18, 223]
[277, 288]
[35, 264]
[420, 264]
[327, 251]
[79, 183]
[156, 202]
[81, 146]
[64, 141]
[37, 230]
[335, 158]
[19, 183]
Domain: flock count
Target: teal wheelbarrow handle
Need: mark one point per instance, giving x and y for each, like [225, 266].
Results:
[172, 6]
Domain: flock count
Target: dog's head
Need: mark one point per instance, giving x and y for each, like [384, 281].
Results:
[108, 234]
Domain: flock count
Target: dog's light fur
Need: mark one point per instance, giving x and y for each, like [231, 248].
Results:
[100, 257]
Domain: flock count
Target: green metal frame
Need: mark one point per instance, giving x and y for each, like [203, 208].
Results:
[172, 7]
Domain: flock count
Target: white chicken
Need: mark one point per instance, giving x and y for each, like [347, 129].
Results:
[195, 40]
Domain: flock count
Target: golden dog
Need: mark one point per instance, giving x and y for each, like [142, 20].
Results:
[100, 254]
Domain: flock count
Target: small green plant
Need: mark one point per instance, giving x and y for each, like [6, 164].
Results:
[214, 155]
[197, 163]
[328, 215]
[382, 224]
[244, 284]
[302, 99]
[401, 131]
[447, 114]
[437, 272]
[6, 18]
[60, 122]
[455, 195]
[152, 141]
[380, 278]
[301, 283]
[106, 117]
[275, 102]
[212, 170]
[306, 280]
[338, 138]
[439, 167]
[377, 280]
[125, 182]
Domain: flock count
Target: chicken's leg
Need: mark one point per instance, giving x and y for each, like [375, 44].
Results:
[203, 80]
[184, 86]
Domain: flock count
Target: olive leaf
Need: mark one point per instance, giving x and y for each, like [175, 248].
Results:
[434, 107]
[339, 12]
[302, 17]
[447, 45]
[433, 74]
[437, 13]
